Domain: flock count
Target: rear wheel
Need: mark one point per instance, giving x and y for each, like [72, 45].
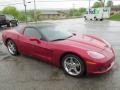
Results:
[12, 47]
[73, 65]
[16, 24]
[9, 24]
[101, 19]
[94, 18]
[85, 17]
[91, 19]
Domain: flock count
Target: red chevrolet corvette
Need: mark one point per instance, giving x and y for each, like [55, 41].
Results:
[76, 54]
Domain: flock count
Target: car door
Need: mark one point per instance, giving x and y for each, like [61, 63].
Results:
[42, 50]
[32, 44]
[26, 43]
[41, 47]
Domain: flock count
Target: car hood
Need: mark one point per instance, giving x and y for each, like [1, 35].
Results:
[86, 42]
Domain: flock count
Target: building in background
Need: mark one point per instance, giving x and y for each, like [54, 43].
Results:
[115, 10]
[52, 14]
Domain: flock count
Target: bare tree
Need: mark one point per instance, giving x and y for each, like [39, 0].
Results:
[110, 3]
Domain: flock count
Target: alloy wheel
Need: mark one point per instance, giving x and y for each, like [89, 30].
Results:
[72, 66]
[11, 47]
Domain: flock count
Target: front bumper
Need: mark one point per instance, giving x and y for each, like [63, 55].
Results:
[99, 68]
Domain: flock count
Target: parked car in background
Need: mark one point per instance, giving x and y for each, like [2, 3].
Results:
[8, 20]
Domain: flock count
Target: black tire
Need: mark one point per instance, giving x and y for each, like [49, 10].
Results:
[9, 24]
[82, 66]
[101, 19]
[96, 19]
[91, 19]
[85, 18]
[15, 52]
[16, 24]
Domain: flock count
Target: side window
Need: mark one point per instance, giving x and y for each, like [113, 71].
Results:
[32, 32]
[8, 17]
[2, 17]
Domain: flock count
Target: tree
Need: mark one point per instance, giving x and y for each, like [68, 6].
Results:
[82, 10]
[22, 17]
[116, 6]
[76, 12]
[11, 11]
[110, 3]
[98, 4]
[37, 15]
[71, 12]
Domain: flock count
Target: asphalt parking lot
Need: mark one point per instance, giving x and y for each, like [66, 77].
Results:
[26, 73]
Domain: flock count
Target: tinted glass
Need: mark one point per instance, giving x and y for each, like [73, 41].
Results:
[52, 33]
[9, 17]
[2, 17]
[32, 32]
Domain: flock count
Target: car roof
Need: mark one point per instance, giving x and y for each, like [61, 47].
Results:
[20, 27]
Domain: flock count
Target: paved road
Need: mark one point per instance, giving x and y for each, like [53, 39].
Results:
[25, 73]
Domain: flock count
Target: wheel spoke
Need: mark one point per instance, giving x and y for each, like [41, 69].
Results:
[71, 60]
[67, 63]
[75, 70]
[77, 65]
[70, 69]
[11, 47]
[10, 43]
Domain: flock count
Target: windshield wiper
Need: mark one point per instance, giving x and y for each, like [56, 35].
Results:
[62, 38]
[70, 36]
[58, 39]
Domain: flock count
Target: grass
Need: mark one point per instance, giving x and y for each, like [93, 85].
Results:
[115, 17]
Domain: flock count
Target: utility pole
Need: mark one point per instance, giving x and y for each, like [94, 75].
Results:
[24, 2]
[35, 11]
[89, 6]
[73, 5]
[104, 3]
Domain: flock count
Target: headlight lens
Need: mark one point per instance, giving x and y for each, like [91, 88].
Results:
[95, 55]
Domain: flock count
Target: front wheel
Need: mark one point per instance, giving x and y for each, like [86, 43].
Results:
[12, 47]
[73, 65]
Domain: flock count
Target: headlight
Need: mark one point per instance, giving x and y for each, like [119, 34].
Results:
[95, 55]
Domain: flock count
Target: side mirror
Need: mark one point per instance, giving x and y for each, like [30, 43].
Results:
[74, 34]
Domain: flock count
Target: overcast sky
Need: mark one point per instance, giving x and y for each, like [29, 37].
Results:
[50, 4]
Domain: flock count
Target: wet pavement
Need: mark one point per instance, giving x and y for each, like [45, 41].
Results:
[26, 73]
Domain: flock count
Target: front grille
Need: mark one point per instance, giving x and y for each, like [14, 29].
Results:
[106, 65]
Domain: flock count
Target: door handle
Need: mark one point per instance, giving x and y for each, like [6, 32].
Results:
[36, 40]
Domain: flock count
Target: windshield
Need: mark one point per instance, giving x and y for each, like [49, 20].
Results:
[54, 33]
